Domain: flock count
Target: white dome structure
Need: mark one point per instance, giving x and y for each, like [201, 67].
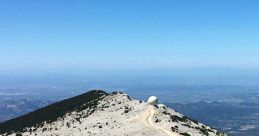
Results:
[152, 100]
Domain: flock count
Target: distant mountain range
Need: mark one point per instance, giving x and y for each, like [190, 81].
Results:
[99, 113]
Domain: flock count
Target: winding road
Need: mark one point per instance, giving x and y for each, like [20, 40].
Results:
[148, 119]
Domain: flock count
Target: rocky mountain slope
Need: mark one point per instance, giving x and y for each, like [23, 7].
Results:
[98, 113]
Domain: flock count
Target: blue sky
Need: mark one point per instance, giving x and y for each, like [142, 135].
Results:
[60, 35]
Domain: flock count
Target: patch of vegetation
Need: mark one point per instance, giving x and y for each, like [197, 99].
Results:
[127, 109]
[173, 129]
[176, 118]
[185, 134]
[187, 118]
[203, 130]
[166, 113]
[52, 112]
[187, 125]
[116, 92]
[157, 120]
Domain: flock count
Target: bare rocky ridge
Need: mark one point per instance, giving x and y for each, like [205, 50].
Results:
[115, 114]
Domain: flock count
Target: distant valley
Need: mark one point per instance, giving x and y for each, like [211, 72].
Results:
[14, 108]
[236, 119]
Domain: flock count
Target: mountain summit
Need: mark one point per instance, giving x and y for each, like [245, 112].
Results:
[101, 114]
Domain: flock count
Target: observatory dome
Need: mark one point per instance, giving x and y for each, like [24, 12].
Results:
[152, 100]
